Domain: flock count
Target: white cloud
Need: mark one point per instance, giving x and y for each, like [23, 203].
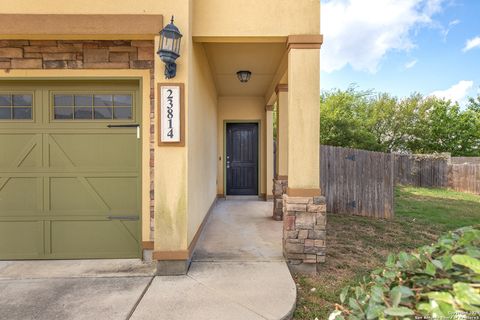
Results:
[411, 64]
[446, 30]
[471, 43]
[458, 92]
[453, 22]
[360, 32]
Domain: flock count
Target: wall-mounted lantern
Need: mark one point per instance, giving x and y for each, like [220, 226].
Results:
[169, 49]
[244, 75]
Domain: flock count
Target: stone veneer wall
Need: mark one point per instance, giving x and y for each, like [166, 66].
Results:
[80, 54]
[279, 189]
[304, 232]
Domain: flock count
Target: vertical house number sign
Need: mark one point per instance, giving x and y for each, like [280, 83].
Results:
[171, 114]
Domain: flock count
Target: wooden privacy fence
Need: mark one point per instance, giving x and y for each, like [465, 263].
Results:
[438, 171]
[421, 170]
[360, 182]
[464, 177]
[357, 182]
[465, 160]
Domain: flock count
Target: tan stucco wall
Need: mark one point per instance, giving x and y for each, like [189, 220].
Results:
[303, 118]
[211, 18]
[282, 134]
[171, 166]
[240, 109]
[252, 18]
[269, 151]
[94, 6]
[202, 134]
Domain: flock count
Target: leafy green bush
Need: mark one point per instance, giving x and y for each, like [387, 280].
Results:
[441, 281]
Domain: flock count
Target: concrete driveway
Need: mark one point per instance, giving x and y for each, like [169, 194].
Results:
[81, 298]
[237, 273]
[72, 289]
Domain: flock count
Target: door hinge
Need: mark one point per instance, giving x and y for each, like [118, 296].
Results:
[351, 157]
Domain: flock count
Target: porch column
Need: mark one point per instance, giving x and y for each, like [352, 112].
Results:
[280, 182]
[303, 206]
[269, 138]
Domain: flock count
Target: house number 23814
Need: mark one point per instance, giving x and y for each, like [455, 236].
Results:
[170, 113]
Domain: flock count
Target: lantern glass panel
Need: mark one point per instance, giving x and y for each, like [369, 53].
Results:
[169, 44]
[177, 47]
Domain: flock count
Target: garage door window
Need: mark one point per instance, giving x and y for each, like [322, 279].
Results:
[15, 106]
[93, 106]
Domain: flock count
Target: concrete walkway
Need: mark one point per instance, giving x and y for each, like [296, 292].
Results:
[237, 273]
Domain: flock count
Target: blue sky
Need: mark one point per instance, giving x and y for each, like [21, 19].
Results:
[402, 46]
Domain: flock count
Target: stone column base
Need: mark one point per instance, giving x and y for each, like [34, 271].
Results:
[279, 189]
[304, 232]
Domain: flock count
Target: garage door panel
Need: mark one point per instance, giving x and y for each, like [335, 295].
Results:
[22, 151]
[21, 239]
[93, 239]
[18, 195]
[118, 193]
[99, 151]
[94, 196]
[70, 194]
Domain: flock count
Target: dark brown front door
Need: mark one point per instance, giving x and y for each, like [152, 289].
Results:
[242, 159]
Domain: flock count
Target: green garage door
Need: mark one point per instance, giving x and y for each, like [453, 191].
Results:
[69, 170]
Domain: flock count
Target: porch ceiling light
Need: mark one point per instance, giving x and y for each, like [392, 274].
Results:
[169, 49]
[244, 75]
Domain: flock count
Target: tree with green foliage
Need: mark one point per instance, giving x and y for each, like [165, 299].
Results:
[444, 127]
[416, 124]
[474, 104]
[344, 118]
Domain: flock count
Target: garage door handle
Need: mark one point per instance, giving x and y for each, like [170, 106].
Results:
[126, 126]
[130, 218]
[123, 125]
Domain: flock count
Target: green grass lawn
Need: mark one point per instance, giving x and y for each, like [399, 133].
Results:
[357, 245]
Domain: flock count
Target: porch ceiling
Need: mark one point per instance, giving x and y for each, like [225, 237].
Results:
[262, 59]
